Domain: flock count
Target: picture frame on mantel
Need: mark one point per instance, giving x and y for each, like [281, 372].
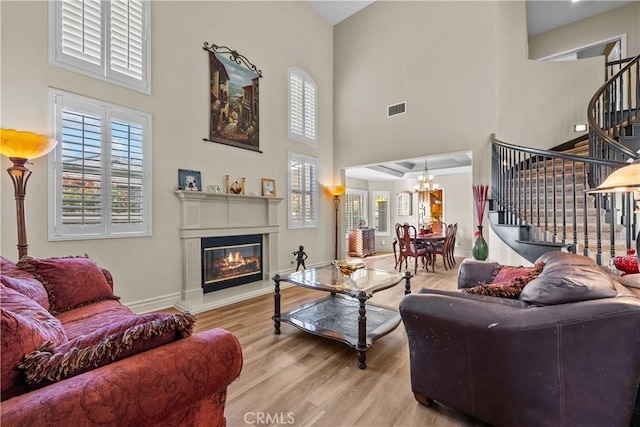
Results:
[403, 203]
[268, 187]
[189, 180]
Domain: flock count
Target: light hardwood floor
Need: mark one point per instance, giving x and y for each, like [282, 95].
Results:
[299, 379]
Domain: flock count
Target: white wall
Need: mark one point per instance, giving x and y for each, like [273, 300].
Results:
[148, 270]
[603, 26]
[462, 67]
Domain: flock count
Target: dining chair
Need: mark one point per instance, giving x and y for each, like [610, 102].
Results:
[452, 258]
[409, 247]
[444, 248]
[437, 227]
[395, 243]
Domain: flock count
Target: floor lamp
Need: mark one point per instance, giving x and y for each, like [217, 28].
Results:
[336, 191]
[623, 180]
[20, 147]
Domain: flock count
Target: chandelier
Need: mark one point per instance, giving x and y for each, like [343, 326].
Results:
[425, 182]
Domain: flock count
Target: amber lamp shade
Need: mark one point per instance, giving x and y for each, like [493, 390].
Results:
[336, 190]
[19, 147]
[621, 180]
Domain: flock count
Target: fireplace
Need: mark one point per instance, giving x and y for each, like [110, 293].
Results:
[230, 261]
[211, 215]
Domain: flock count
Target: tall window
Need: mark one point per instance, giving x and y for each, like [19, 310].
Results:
[100, 170]
[355, 208]
[303, 191]
[108, 40]
[381, 220]
[303, 111]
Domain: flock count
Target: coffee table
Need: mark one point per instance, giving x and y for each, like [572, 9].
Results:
[344, 315]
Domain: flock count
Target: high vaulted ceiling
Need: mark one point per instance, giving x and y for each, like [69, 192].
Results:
[542, 15]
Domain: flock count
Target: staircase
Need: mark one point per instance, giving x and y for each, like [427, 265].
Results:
[539, 202]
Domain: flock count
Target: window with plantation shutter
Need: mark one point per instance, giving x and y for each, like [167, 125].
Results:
[381, 221]
[303, 102]
[100, 170]
[126, 41]
[355, 208]
[108, 40]
[303, 191]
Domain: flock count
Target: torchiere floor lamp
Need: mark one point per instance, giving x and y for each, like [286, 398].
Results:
[336, 191]
[20, 147]
[623, 180]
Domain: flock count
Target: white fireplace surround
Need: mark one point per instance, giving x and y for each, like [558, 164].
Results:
[216, 215]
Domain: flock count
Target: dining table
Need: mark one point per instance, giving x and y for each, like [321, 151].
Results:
[431, 239]
[425, 239]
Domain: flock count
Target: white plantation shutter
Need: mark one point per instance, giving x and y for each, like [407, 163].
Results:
[355, 208]
[303, 101]
[80, 33]
[296, 111]
[310, 110]
[303, 191]
[381, 221]
[99, 170]
[127, 172]
[81, 185]
[127, 38]
[108, 40]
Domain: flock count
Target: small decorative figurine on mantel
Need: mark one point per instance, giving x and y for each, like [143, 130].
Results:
[300, 257]
[236, 187]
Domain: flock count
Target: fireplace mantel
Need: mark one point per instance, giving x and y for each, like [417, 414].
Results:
[217, 214]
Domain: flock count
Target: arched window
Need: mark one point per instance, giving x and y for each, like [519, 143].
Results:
[303, 103]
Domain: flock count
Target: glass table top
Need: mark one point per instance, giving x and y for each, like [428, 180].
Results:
[364, 280]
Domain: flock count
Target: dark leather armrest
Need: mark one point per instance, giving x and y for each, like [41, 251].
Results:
[472, 272]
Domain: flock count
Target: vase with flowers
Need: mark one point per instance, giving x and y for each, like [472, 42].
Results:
[480, 249]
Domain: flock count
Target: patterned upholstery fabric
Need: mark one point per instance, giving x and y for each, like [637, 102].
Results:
[26, 325]
[70, 282]
[23, 282]
[507, 282]
[114, 367]
[50, 363]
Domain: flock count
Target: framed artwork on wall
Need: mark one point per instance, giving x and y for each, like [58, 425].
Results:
[403, 203]
[189, 180]
[234, 99]
[268, 187]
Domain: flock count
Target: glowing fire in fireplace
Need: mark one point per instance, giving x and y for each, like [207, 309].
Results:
[230, 262]
[235, 259]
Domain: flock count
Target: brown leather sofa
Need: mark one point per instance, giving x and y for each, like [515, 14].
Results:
[511, 362]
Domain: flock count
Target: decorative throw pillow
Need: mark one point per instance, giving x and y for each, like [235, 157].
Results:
[51, 363]
[29, 287]
[564, 283]
[507, 282]
[69, 281]
[23, 282]
[25, 326]
[501, 289]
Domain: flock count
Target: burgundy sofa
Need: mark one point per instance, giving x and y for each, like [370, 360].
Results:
[73, 355]
[563, 351]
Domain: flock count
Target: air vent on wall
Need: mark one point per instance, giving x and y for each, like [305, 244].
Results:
[397, 109]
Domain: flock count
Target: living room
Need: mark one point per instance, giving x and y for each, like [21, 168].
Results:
[460, 89]
[490, 37]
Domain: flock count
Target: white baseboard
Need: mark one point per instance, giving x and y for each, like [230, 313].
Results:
[153, 304]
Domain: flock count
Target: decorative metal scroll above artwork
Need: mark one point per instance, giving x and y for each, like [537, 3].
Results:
[233, 55]
[234, 99]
